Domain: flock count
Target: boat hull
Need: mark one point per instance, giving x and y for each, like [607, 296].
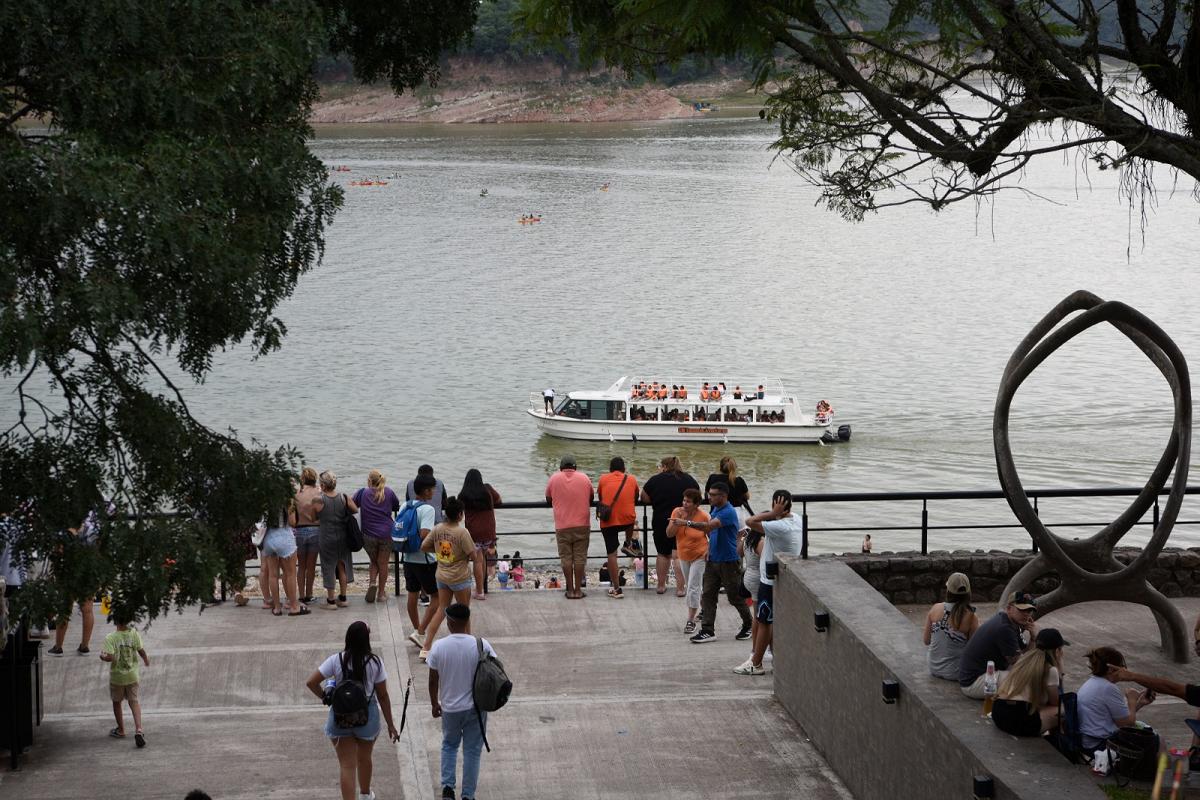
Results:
[656, 431]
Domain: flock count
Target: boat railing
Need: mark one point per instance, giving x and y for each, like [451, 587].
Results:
[932, 519]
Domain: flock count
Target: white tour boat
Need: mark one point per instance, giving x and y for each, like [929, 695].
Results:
[765, 413]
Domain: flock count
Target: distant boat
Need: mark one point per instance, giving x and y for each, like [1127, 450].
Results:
[530, 219]
[769, 414]
[604, 187]
[483, 193]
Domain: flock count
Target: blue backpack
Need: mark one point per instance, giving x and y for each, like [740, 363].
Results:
[406, 531]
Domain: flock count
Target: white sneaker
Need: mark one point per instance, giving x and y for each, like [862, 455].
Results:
[749, 669]
[417, 639]
[369, 796]
[423, 655]
[749, 662]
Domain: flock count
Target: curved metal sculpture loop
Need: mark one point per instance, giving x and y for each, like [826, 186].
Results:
[1087, 568]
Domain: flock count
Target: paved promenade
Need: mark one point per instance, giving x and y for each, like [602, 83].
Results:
[611, 700]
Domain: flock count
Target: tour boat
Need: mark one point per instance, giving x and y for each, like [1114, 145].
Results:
[766, 413]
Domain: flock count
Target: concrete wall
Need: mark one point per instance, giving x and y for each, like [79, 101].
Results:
[913, 578]
[933, 741]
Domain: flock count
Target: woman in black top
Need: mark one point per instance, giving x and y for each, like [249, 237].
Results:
[664, 492]
[739, 492]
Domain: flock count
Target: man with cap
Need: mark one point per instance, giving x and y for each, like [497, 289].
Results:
[949, 625]
[721, 569]
[452, 661]
[569, 491]
[997, 640]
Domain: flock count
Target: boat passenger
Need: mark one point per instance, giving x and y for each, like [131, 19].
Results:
[682, 392]
[662, 392]
[761, 393]
[737, 393]
[715, 393]
[704, 391]
[700, 415]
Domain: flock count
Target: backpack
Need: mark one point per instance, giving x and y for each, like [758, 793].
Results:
[490, 689]
[354, 536]
[349, 701]
[406, 531]
[1136, 753]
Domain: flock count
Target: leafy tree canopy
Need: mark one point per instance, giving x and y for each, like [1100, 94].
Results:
[157, 203]
[885, 102]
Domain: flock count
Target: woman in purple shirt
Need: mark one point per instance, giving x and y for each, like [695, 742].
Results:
[378, 504]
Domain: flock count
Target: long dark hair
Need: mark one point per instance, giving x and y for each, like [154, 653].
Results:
[474, 494]
[358, 652]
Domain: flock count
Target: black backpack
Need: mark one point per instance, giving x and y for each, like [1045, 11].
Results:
[490, 689]
[1068, 739]
[350, 702]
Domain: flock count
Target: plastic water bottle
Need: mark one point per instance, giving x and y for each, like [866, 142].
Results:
[639, 571]
[989, 688]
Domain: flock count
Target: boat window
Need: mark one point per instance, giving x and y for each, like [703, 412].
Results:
[576, 409]
[606, 409]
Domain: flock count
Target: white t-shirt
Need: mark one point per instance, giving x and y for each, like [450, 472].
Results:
[425, 522]
[376, 674]
[548, 394]
[455, 658]
[781, 537]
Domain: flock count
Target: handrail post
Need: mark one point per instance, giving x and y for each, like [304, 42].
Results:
[396, 572]
[1155, 513]
[645, 552]
[924, 526]
[804, 529]
[1036, 513]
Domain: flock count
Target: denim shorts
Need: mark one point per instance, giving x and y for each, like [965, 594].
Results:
[456, 587]
[279, 542]
[367, 732]
[307, 539]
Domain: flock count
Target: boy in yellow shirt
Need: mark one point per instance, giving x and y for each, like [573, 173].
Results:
[121, 650]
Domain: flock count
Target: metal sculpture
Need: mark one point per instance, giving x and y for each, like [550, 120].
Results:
[1087, 568]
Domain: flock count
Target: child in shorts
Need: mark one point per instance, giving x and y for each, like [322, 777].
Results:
[121, 650]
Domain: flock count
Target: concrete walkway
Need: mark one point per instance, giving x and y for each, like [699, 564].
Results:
[610, 700]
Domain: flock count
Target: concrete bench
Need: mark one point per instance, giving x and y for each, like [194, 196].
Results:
[932, 741]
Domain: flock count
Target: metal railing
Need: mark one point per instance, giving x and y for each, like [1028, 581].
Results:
[925, 498]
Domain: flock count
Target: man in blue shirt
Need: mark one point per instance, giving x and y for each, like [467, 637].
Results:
[722, 569]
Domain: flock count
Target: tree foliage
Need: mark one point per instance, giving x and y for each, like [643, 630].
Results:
[934, 101]
[157, 203]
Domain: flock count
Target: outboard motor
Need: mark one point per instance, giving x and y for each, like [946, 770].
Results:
[843, 433]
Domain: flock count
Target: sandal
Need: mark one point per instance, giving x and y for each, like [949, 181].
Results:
[276, 612]
[680, 593]
[117, 733]
[661, 590]
[303, 610]
[140, 738]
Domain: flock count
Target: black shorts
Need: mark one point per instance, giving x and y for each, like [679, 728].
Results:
[764, 609]
[664, 545]
[611, 542]
[420, 578]
[1014, 718]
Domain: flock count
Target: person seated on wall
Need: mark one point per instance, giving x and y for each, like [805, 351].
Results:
[998, 639]
[948, 627]
[1027, 701]
[1103, 708]
[1188, 692]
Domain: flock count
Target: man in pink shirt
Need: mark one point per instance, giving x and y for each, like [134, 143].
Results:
[569, 491]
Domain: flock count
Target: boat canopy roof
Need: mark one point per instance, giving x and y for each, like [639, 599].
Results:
[774, 392]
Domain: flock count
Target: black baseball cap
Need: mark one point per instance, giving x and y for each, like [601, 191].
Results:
[1050, 639]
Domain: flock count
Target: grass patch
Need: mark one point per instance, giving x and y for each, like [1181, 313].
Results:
[1115, 792]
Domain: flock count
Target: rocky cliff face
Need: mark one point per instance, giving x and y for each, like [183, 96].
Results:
[480, 91]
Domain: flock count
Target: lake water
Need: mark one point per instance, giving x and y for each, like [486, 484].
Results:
[435, 314]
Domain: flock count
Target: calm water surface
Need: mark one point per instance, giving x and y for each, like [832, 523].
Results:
[435, 314]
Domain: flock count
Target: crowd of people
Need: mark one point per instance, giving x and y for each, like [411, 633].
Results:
[710, 392]
[1007, 661]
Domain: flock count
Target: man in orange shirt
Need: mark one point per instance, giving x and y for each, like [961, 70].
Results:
[617, 489]
[569, 491]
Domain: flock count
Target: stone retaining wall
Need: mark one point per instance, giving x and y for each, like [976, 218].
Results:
[913, 578]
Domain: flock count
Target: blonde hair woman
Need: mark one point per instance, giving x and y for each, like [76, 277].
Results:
[739, 492]
[304, 519]
[379, 505]
[1027, 701]
[337, 569]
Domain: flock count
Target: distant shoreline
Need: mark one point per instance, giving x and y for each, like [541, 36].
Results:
[483, 92]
